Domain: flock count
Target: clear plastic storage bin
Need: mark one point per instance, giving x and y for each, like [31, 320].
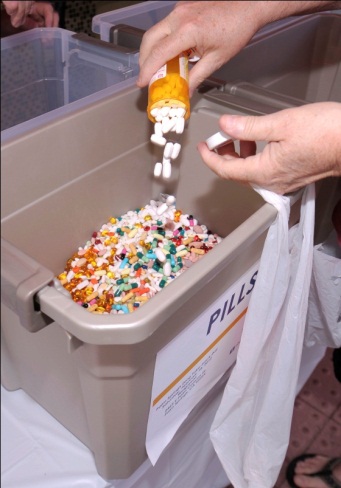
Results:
[47, 73]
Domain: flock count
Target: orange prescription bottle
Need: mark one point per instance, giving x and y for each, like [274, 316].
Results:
[169, 87]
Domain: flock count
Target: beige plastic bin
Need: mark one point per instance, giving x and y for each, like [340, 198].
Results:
[94, 373]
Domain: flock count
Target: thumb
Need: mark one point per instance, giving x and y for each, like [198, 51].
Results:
[202, 70]
[250, 127]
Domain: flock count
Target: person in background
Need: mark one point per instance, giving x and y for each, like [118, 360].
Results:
[29, 14]
[303, 143]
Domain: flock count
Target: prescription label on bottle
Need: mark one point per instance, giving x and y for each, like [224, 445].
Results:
[161, 73]
[183, 66]
[182, 69]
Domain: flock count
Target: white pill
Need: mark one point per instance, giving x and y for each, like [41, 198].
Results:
[167, 268]
[158, 140]
[170, 200]
[175, 150]
[166, 168]
[180, 125]
[168, 124]
[158, 118]
[154, 112]
[165, 111]
[158, 129]
[160, 254]
[162, 208]
[157, 169]
[181, 111]
[167, 152]
[194, 59]
[173, 112]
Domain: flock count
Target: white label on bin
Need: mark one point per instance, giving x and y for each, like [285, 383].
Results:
[192, 363]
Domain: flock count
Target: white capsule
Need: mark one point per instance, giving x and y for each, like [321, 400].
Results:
[170, 200]
[166, 168]
[175, 150]
[167, 152]
[158, 129]
[154, 112]
[158, 140]
[157, 169]
[181, 112]
[180, 125]
[160, 254]
[173, 112]
[168, 124]
[165, 111]
[167, 268]
[162, 208]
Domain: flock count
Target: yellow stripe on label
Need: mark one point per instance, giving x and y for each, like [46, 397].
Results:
[199, 358]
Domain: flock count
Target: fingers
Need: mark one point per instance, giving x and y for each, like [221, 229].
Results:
[250, 127]
[158, 45]
[18, 11]
[44, 15]
[229, 166]
[50, 17]
[203, 69]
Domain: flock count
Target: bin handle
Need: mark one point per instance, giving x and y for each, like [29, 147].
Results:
[84, 38]
[21, 278]
[127, 36]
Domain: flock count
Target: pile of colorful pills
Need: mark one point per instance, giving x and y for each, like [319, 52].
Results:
[134, 256]
[168, 119]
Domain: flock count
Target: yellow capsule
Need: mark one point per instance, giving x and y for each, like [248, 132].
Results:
[141, 298]
[113, 220]
[127, 297]
[91, 296]
[148, 217]
[92, 308]
[133, 248]
[110, 274]
[133, 233]
[197, 251]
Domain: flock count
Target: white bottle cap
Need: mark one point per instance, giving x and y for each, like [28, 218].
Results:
[218, 140]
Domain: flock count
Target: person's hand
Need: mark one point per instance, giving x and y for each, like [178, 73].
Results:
[216, 31]
[303, 146]
[29, 14]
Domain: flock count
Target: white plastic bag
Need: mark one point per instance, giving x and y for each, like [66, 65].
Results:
[324, 306]
[251, 429]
